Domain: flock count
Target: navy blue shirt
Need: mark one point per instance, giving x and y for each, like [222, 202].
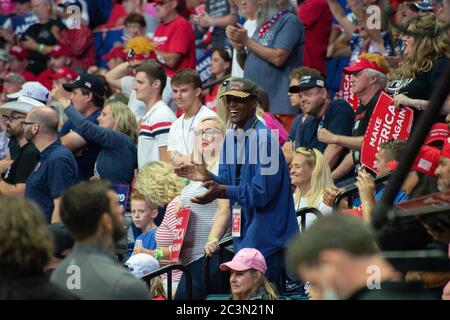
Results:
[338, 119]
[88, 154]
[263, 192]
[55, 172]
[117, 158]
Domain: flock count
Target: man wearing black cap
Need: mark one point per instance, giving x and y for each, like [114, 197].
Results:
[87, 96]
[258, 186]
[336, 116]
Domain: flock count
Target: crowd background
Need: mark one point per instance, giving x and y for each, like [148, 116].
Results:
[118, 114]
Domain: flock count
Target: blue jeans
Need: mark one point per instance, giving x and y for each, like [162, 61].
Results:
[196, 270]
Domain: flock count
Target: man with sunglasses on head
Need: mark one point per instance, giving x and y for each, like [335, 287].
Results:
[294, 96]
[24, 154]
[369, 77]
[336, 116]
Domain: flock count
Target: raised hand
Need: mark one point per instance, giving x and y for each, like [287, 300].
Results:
[215, 191]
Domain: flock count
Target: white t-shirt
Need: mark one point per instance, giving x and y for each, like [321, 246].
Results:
[153, 132]
[138, 107]
[311, 217]
[181, 134]
[236, 70]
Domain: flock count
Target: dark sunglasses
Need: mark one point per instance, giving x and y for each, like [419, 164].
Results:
[294, 89]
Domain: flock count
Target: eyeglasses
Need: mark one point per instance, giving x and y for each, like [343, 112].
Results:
[294, 89]
[26, 123]
[209, 133]
[11, 118]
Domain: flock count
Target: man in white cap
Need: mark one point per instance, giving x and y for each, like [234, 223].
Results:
[32, 89]
[24, 155]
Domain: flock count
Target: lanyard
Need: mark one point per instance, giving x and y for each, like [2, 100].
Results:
[186, 143]
[239, 165]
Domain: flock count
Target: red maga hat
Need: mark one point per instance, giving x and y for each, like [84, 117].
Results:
[426, 161]
[362, 64]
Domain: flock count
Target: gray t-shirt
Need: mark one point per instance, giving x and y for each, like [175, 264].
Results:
[92, 273]
[286, 33]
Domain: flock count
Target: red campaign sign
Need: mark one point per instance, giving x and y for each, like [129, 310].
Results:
[428, 203]
[180, 231]
[345, 92]
[386, 123]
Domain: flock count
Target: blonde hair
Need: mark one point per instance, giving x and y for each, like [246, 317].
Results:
[262, 282]
[429, 47]
[158, 183]
[320, 177]
[137, 196]
[125, 118]
[221, 126]
[157, 288]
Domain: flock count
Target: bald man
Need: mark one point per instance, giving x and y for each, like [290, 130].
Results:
[56, 170]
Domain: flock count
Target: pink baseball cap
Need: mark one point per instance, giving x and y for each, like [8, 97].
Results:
[245, 259]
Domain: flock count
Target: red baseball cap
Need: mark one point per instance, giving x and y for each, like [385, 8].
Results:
[246, 259]
[18, 52]
[362, 64]
[438, 132]
[426, 161]
[446, 149]
[65, 72]
[58, 51]
[118, 52]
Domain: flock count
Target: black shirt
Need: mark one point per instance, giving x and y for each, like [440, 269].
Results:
[14, 149]
[362, 118]
[42, 34]
[23, 164]
[420, 87]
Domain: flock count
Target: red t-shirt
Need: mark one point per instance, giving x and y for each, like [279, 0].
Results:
[177, 36]
[316, 17]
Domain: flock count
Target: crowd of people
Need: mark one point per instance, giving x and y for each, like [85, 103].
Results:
[106, 145]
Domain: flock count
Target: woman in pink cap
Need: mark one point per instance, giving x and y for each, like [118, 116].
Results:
[247, 278]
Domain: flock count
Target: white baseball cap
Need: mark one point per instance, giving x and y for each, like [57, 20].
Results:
[141, 264]
[31, 89]
[16, 106]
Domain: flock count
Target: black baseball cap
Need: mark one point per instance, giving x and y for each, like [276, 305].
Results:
[88, 81]
[308, 82]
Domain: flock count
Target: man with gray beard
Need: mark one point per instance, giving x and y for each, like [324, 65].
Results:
[274, 50]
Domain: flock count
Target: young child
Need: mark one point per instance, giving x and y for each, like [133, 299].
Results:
[143, 214]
